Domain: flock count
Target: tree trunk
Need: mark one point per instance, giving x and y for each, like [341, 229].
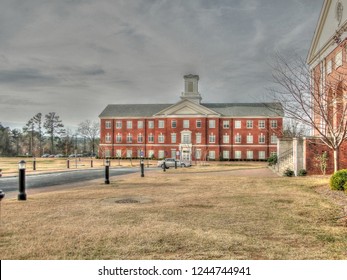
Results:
[336, 159]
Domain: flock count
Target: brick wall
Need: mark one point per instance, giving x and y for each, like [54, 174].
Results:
[109, 145]
[315, 147]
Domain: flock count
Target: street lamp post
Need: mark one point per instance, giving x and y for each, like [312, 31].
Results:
[22, 195]
[107, 171]
[34, 164]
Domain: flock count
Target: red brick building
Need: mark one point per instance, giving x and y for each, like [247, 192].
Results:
[327, 59]
[191, 130]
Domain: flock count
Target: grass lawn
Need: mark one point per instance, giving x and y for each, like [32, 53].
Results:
[202, 212]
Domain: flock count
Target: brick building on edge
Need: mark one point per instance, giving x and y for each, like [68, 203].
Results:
[191, 130]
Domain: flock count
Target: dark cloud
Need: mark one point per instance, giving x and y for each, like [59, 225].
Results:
[100, 52]
[24, 76]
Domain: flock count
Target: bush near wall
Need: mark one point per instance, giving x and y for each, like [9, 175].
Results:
[338, 181]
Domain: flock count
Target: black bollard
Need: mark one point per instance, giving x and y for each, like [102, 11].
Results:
[2, 195]
[142, 168]
[107, 171]
[22, 195]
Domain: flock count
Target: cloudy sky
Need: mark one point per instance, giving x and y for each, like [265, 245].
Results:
[74, 57]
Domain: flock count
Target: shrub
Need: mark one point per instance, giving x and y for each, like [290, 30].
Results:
[272, 160]
[302, 172]
[338, 181]
[288, 172]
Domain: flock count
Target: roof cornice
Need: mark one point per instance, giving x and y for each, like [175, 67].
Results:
[318, 31]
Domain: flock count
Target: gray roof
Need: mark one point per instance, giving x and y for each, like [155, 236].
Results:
[247, 109]
[225, 109]
[132, 110]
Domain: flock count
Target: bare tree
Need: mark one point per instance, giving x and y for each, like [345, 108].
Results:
[37, 120]
[29, 129]
[312, 100]
[293, 128]
[90, 130]
[54, 127]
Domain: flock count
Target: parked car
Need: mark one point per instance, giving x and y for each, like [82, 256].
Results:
[59, 155]
[45, 155]
[170, 162]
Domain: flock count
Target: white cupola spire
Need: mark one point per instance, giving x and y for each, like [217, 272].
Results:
[191, 88]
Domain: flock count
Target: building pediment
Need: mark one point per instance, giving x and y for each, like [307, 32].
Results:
[330, 29]
[187, 107]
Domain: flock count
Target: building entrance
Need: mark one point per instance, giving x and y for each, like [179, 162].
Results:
[186, 152]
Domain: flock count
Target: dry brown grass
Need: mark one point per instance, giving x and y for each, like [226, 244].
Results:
[203, 212]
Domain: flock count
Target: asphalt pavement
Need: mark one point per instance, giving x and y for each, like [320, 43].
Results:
[11, 184]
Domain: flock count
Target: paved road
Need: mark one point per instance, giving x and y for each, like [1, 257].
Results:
[9, 184]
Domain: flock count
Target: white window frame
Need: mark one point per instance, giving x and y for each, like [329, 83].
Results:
[161, 138]
[237, 124]
[211, 123]
[107, 153]
[273, 124]
[151, 138]
[261, 124]
[118, 124]
[140, 138]
[173, 138]
[329, 66]
[249, 139]
[238, 138]
[161, 124]
[212, 138]
[108, 124]
[173, 123]
[186, 138]
[119, 138]
[338, 59]
[150, 153]
[198, 124]
[161, 154]
[139, 124]
[129, 138]
[249, 124]
[118, 153]
[226, 124]
[129, 153]
[129, 124]
[173, 153]
[198, 138]
[108, 138]
[186, 123]
[237, 154]
[261, 139]
[211, 154]
[249, 154]
[226, 154]
[261, 155]
[198, 154]
[151, 124]
[273, 139]
[226, 139]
